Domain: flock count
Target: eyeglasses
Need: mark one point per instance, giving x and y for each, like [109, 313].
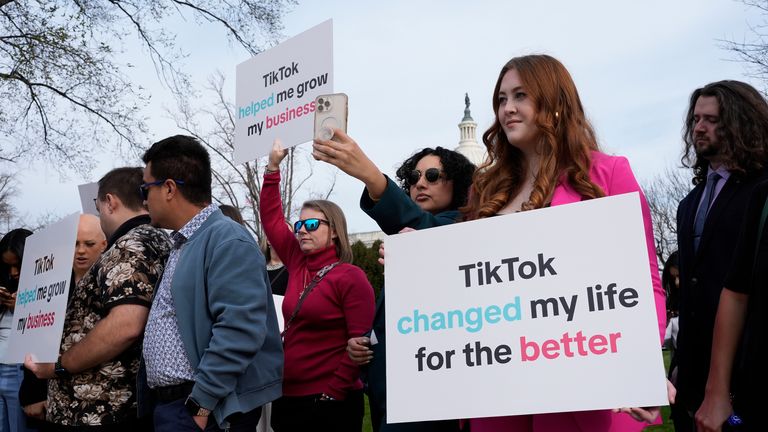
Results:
[311, 224]
[431, 174]
[144, 188]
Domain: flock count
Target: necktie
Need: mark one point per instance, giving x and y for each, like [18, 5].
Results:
[706, 203]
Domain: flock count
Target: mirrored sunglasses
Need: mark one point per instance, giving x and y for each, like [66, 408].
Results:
[311, 224]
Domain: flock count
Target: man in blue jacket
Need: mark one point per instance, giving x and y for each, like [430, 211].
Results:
[212, 345]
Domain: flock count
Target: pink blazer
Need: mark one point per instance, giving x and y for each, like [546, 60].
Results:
[615, 177]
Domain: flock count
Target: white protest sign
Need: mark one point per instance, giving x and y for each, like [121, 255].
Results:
[88, 193]
[276, 92]
[41, 301]
[542, 311]
[278, 299]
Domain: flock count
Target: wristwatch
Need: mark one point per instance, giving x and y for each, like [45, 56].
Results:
[195, 409]
[59, 370]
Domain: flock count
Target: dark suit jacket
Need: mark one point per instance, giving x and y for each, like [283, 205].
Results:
[702, 275]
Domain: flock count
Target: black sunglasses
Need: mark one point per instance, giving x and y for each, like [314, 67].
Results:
[144, 188]
[310, 224]
[432, 175]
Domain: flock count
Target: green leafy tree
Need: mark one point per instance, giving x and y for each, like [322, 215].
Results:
[367, 258]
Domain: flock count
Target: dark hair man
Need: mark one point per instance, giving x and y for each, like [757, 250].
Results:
[726, 144]
[743, 311]
[212, 344]
[94, 381]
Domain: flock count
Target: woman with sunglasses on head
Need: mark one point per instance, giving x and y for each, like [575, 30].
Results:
[433, 185]
[328, 301]
[543, 152]
[11, 252]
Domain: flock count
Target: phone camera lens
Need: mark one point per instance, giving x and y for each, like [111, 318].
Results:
[320, 108]
[320, 101]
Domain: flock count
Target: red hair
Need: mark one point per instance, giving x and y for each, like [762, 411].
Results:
[566, 140]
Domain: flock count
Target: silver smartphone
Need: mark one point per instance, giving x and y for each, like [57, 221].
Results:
[330, 112]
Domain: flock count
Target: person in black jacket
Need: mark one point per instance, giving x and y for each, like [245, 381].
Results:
[11, 254]
[726, 144]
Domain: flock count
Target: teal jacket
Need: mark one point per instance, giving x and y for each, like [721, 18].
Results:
[227, 319]
[395, 210]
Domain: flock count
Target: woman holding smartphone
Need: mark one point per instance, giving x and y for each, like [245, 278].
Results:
[543, 152]
[11, 252]
[328, 300]
[433, 185]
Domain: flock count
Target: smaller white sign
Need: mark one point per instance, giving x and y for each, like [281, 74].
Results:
[276, 92]
[41, 301]
[88, 194]
[278, 299]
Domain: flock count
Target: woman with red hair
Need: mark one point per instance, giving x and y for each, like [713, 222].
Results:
[543, 152]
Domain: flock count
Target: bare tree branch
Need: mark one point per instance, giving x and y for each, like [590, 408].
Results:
[64, 87]
[753, 52]
[7, 193]
[239, 185]
[664, 192]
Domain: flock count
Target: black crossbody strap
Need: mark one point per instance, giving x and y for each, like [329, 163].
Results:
[318, 277]
[277, 276]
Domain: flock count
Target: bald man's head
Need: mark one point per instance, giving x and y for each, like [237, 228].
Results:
[91, 242]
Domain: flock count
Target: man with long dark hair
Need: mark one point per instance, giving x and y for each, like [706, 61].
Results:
[726, 145]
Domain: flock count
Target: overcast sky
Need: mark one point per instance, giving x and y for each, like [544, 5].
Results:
[406, 66]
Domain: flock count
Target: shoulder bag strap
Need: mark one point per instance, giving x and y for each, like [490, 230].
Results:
[277, 276]
[318, 277]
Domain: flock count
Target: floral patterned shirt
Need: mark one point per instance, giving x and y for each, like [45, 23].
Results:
[125, 274]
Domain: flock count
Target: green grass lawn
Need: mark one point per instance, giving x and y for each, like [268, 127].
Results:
[367, 419]
[666, 427]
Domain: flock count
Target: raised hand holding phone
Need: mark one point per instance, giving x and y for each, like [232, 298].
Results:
[333, 145]
[330, 113]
